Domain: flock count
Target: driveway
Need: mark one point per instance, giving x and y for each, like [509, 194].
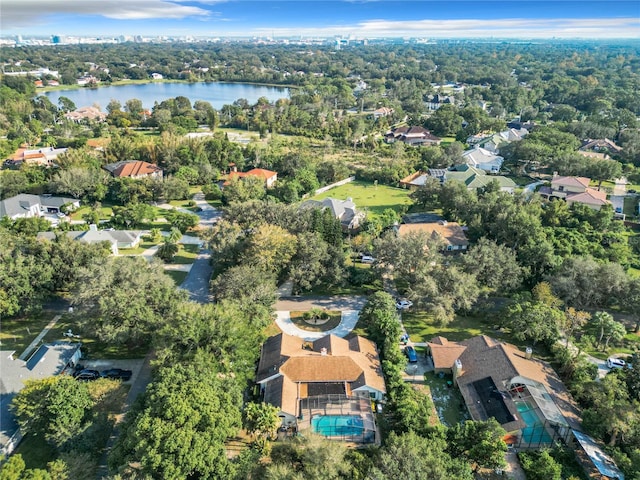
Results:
[135, 365]
[531, 188]
[617, 201]
[303, 304]
[208, 215]
[347, 323]
[620, 187]
[414, 372]
[197, 281]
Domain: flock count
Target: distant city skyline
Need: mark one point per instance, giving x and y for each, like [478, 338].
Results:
[586, 19]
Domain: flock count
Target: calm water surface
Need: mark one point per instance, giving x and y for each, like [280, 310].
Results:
[218, 94]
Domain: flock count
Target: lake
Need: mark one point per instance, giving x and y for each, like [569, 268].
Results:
[216, 93]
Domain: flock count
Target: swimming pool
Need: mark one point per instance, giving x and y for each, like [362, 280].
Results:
[337, 425]
[534, 432]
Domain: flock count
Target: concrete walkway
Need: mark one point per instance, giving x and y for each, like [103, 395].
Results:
[33, 345]
[348, 322]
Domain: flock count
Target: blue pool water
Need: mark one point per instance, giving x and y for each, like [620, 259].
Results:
[534, 432]
[337, 425]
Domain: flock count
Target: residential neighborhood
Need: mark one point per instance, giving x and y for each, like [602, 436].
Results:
[323, 257]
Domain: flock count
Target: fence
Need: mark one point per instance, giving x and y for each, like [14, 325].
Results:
[333, 185]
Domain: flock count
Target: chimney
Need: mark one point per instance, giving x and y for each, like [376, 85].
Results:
[528, 352]
[323, 351]
[555, 174]
[457, 369]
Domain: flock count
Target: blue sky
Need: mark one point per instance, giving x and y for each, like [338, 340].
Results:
[360, 18]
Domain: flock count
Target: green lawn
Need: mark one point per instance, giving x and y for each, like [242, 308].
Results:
[335, 317]
[447, 140]
[177, 277]
[421, 328]
[631, 206]
[521, 180]
[186, 255]
[105, 212]
[17, 333]
[91, 347]
[446, 399]
[369, 197]
[137, 251]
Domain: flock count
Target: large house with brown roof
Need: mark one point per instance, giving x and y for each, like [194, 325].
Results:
[498, 380]
[134, 169]
[267, 176]
[575, 190]
[323, 385]
[450, 234]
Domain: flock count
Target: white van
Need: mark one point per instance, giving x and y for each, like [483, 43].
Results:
[615, 363]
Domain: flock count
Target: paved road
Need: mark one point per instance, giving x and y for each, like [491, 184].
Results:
[302, 304]
[208, 215]
[197, 281]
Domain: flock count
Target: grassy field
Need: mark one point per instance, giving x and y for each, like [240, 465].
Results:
[369, 197]
[18, 333]
[421, 328]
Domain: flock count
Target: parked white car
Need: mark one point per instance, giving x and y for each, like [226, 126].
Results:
[615, 363]
[403, 303]
[367, 259]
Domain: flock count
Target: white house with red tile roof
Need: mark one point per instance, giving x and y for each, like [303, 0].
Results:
[268, 176]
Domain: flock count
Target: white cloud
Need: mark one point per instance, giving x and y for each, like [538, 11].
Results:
[18, 13]
[475, 28]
